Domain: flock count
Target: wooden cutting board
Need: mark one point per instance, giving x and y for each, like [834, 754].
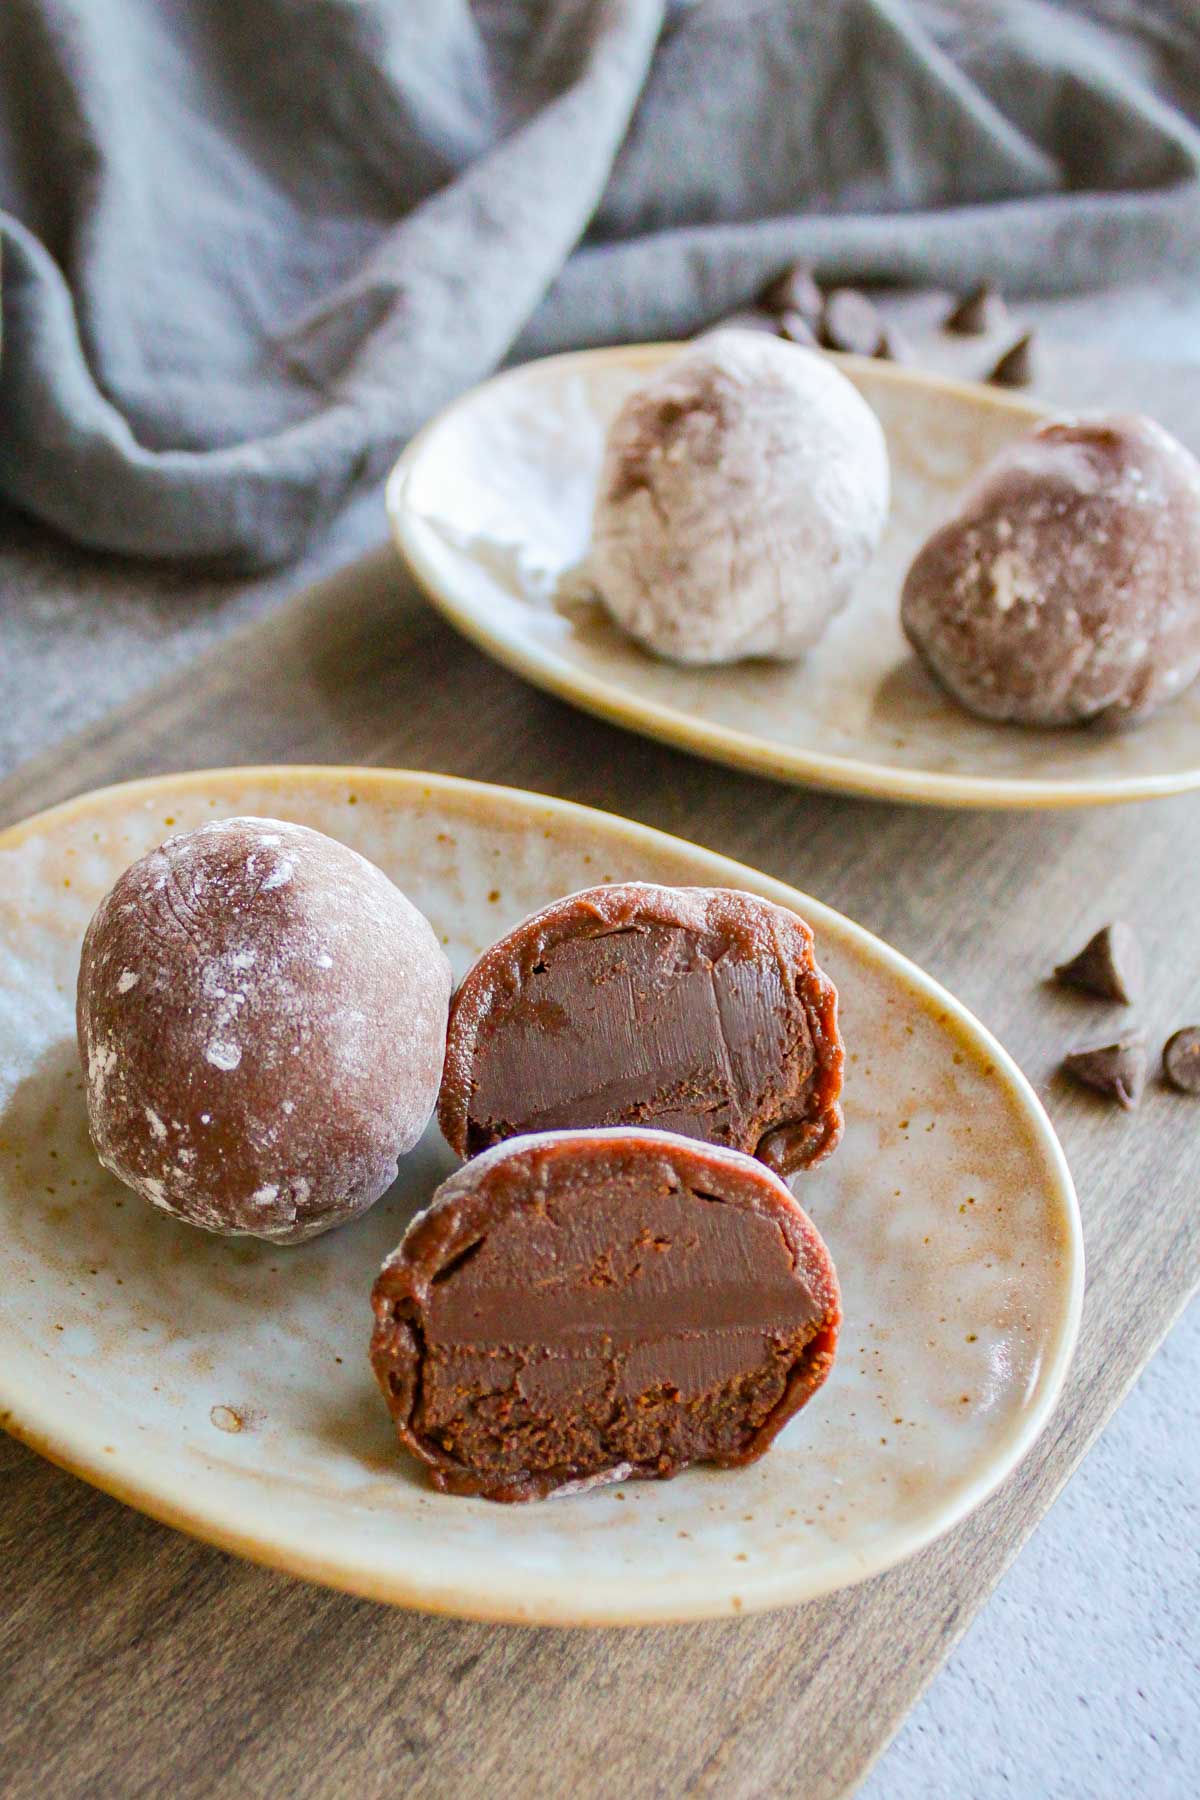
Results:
[138, 1661]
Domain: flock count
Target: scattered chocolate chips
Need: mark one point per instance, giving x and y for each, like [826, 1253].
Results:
[980, 311]
[1117, 1070]
[791, 306]
[1015, 367]
[794, 290]
[850, 322]
[1109, 965]
[1181, 1060]
[796, 329]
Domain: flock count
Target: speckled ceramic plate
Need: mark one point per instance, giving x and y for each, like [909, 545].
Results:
[491, 504]
[223, 1385]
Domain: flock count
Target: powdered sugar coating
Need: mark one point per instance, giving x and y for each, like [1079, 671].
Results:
[280, 1043]
[743, 490]
[1066, 589]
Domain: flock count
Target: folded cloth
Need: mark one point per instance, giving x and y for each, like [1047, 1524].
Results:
[247, 249]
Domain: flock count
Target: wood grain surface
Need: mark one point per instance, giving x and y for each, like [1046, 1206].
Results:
[138, 1662]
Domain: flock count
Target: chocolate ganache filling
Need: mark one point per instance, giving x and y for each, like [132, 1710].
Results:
[600, 1305]
[694, 1010]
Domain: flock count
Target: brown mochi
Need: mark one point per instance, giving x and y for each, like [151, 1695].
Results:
[1065, 590]
[262, 1024]
[697, 1010]
[577, 1308]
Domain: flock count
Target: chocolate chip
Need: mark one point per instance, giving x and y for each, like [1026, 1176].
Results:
[894, 346]
[1015, 367]
[850, 322]
[796, 329]
[794, 290]
[748, 318]
[1109, 965]
[1117, 1070]
[979, 311]
[1181, 1060]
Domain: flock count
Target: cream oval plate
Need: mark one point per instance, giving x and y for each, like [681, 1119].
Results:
[223, 1385]
[491, 504]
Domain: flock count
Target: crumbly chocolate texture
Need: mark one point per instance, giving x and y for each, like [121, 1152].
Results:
[1066, 588]
[576, 1308]
[697, 1010]
[262, 1025]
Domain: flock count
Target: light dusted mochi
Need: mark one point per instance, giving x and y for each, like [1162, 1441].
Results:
[743, 490]
[262, 1018]
[697, 1010]
[581, 1307]
[1066, 588]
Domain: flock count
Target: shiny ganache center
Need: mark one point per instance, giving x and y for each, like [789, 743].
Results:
[612, 1320]
[642, 1024]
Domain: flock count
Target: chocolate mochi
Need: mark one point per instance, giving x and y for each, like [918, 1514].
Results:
[262, 1023]
[696, 1010]
[576, 1308]
[1066, 588]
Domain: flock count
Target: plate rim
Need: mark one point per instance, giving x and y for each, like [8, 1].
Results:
[823, 770]
[525, 1601]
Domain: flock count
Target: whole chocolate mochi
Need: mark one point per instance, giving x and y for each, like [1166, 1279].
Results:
[696, 1010]
[1066, 588]
[581, 1307]
[262, 1023]
[743, 490]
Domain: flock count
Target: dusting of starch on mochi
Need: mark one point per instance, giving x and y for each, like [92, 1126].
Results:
[262, 1021]
[743, 490]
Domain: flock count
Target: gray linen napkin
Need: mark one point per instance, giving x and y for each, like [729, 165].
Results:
[249, 245]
